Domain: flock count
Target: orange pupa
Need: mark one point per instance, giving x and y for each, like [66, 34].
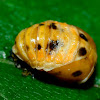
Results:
[57, 47]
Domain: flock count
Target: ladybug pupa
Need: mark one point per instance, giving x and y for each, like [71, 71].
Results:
[60, 49]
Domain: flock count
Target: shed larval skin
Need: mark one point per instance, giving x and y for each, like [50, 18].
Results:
[60, 49]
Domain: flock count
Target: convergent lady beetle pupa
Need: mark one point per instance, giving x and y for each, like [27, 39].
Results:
[62, 50]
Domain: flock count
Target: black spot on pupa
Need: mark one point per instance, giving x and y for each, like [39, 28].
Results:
[82, 51]
[52, 25]
[53, 44]
[77, 73]
[27, 47]
[83, 36]
[15, 42]
[41, 24]
[39, 46]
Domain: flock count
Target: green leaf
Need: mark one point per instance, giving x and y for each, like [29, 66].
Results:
[16, 15]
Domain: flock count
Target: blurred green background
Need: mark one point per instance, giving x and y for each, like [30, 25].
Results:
[16, 15]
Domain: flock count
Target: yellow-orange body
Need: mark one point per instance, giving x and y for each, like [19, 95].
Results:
[62, 50]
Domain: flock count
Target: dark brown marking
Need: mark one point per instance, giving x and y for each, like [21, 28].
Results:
[83, 37]
[57, 73]
[82, 51]
[39, 46]
[53, 44]
[27, 47]
[41, 24]
[77, 73]
[52, 25]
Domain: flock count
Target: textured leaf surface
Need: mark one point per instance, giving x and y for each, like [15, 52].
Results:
[16, 15]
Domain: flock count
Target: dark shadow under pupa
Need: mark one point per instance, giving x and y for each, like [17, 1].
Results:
[48, 78]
